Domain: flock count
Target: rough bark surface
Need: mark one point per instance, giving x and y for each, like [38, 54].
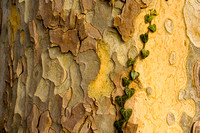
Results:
[62, 63]
[49, 56]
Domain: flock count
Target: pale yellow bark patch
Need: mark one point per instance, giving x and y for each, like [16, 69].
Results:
[166, 80]
[14, 20]
[102, 84]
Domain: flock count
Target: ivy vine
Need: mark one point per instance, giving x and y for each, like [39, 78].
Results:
[129, 92]
[151, 28]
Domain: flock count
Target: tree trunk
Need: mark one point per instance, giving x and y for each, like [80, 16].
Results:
[66, 63]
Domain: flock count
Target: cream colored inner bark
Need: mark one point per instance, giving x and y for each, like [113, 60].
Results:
[150, 112]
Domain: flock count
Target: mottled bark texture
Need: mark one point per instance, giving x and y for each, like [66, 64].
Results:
[50, 53]
[53, 52]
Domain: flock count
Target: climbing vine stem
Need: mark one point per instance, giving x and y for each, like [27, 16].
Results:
[129, 92]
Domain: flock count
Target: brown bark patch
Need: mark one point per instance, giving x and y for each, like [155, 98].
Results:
[197, 76]
[45, 122]
[125, 22]
[68, 41]
[86, 29]
[76, 114]
[32, 120]
[88, 44]
[87, 5]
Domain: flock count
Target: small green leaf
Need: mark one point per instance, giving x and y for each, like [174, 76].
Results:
[134, 74]
[144, 53]
[131, 61]
[129, 92]
[125, 81]
[118, 125]
[144, 37]
[126, 113]
[148, 18]
[154, 12]
[152, 28]
[121, 100]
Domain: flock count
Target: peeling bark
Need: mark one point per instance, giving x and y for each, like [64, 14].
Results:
[51, 53]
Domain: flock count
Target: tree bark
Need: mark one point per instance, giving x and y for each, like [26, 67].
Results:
[63, 63]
